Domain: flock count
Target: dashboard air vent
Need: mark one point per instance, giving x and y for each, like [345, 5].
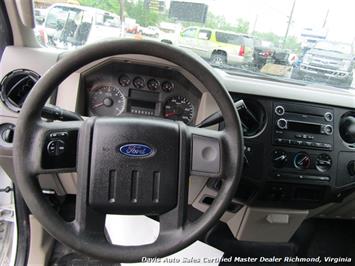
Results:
[347, 127]
[253, 118]
[15, 87]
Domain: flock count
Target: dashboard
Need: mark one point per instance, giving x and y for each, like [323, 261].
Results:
[121, 89]
[299, 142]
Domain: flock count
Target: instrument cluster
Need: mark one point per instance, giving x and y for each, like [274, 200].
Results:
[143, 95]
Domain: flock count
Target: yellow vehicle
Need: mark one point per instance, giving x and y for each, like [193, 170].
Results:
[219, 47]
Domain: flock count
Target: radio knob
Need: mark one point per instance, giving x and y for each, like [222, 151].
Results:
[279, 110]
[328, 117]
[328, 130]
[282, 123]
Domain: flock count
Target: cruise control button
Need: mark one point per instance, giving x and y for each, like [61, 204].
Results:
[56, 147]
[60, 147]
[51, 148]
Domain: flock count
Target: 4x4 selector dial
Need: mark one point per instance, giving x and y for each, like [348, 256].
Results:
[323, 162]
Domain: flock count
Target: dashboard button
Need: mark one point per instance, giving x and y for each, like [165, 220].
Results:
[308, 144]
[300, 143]
[327, 146]
[279, 141]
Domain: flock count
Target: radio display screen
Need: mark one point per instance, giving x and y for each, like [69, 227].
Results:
[304, 127]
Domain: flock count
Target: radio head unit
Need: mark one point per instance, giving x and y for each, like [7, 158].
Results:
[303, 126]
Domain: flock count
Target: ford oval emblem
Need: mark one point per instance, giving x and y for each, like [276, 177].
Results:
[136, 150]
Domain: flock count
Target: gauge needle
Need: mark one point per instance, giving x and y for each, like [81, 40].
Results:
[170, 114]
[98, 105]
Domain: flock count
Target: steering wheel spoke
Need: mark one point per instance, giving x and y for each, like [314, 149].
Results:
[88, 222]
[207, 152]
[53, 147]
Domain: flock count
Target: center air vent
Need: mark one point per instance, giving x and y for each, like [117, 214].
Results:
[253, 118]
[15, 87]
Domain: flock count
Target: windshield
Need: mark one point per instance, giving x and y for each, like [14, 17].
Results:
[310, 43]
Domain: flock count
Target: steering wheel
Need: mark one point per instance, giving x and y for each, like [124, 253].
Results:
[136, 166]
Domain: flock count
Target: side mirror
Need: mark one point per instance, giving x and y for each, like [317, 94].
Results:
[40, 20]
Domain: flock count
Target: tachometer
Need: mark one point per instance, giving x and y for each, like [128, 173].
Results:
[106, 101]
[179, 108]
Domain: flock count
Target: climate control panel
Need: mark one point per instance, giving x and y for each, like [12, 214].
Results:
[301, 165]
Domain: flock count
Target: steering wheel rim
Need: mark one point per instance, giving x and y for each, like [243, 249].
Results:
[31, 131]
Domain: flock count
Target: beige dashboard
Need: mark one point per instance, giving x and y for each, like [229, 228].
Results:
[246, 220]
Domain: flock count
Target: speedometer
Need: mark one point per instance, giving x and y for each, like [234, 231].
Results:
[179, 108]
[106, 101]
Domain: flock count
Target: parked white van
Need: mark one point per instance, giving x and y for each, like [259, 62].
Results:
[68, 25]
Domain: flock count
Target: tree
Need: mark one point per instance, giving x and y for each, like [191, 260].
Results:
[219, 22]
[144, 16]
[242, 26]
[107, 5]
[291, 43]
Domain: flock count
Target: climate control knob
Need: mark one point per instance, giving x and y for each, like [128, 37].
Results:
[302, 161]
[279, 158]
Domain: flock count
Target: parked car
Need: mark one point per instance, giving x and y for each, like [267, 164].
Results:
[71, 25]
[40, 15]
[263, 51]
[131, 26]
[150, 31]
[169, 32]
[219, 47]
[329, 62]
